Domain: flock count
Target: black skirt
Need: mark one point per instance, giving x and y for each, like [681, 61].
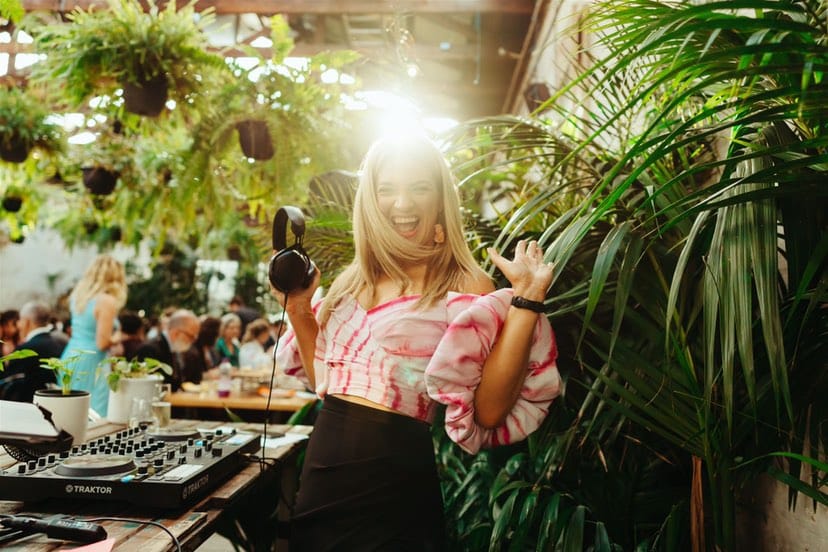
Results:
[369, 482]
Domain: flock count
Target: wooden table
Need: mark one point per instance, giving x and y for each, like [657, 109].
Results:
[193, 526]
[236, 401]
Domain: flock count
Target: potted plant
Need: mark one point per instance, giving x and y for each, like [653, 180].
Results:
[145, 53]
[273, 112]
[105, 161]
[24, 125]
[69, 407]
[13, 199]
[132, 379]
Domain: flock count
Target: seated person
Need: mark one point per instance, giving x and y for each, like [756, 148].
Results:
[24, 376]
[171, 344]
[200, 359]
[227, 345]
[252, 353]
[132, 331]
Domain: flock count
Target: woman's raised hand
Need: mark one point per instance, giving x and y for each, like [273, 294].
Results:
[529, 275]
[300, 296]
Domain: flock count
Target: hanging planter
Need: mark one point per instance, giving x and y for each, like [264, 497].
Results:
[24, 125]
[99, 180]
[16, 151]
[12, 204]
[254, 138]
[147, 97]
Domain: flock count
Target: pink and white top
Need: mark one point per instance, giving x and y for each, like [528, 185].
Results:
[406, 359]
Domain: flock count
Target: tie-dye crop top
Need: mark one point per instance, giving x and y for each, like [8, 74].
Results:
[409, 359]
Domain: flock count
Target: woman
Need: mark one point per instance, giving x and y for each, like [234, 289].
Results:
[412, 320]
[227, 345]
[94, 306]
[200, 358]
[252, 352]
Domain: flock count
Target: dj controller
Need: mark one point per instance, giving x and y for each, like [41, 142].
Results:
[166, 468]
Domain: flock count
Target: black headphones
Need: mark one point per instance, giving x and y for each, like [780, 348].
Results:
[290, 268]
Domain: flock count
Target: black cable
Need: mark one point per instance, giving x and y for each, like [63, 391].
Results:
[143, 522]
[263, 458]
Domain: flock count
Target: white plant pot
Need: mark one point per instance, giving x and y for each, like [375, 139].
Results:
[120, 401]
[69, 412]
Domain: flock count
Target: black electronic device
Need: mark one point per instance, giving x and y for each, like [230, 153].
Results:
[56, 528]
[165, 469]
[290, 268]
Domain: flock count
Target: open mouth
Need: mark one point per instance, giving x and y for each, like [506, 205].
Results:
[406, 226]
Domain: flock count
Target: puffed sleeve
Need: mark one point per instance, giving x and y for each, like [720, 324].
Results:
[290, 361]
[454, 372]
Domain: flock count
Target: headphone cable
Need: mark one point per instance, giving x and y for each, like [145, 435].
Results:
[263, 456]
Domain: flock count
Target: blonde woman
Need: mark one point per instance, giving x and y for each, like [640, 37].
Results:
[94, 304]
[252, 353]
[413, 321]
[227, 345]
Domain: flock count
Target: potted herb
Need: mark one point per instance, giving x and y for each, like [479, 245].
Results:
[69, 407]
[132, 379]
[24, 125]
[146, 53]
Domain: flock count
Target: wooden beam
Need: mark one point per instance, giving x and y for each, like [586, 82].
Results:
[417, 52]
[269, 7]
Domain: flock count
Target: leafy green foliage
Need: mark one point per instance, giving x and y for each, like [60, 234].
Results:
[667, 184]
[14, 355]
[120, 367]
[24, 119]
[99, 50]
[64, 369]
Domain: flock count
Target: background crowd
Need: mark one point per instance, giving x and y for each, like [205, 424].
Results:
[98, 327]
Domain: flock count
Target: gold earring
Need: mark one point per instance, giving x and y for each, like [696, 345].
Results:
[439, 234]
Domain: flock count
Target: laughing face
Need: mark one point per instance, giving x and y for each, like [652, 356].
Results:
[409, 198]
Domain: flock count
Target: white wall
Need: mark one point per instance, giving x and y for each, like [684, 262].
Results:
[42, 268]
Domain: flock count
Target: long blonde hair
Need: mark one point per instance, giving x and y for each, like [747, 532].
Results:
[104, 275]
[379, 250]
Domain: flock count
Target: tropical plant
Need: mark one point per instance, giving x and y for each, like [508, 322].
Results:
[24, 124]
[99, 51]
[667, 184]
[120, 367]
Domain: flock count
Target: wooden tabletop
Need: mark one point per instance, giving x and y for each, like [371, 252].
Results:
[238, 401]
[192, 527]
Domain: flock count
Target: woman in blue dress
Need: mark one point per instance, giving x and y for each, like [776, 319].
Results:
[95, 303]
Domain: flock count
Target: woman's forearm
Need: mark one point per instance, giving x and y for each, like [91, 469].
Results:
[306, 329]
[505, 369]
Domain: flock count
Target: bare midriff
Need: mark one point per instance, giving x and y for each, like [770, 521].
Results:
[364, 402]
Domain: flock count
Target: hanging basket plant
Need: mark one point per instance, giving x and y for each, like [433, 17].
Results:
[24, 126]
[144, 52]
[99, 180]
[15, 150]
[146, 97]
[12, 203]
[254, 138]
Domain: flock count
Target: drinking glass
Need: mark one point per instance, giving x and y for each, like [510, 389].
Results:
[162, 391]
[140, 413]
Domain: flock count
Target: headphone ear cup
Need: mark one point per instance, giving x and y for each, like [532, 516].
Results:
[290, 270]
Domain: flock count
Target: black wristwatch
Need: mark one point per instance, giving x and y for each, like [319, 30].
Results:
[524, 303]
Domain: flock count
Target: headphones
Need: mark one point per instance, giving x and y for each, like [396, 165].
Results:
[290, 268]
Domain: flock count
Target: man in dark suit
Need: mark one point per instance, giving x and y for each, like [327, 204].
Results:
[171, 344]
[24, 376]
